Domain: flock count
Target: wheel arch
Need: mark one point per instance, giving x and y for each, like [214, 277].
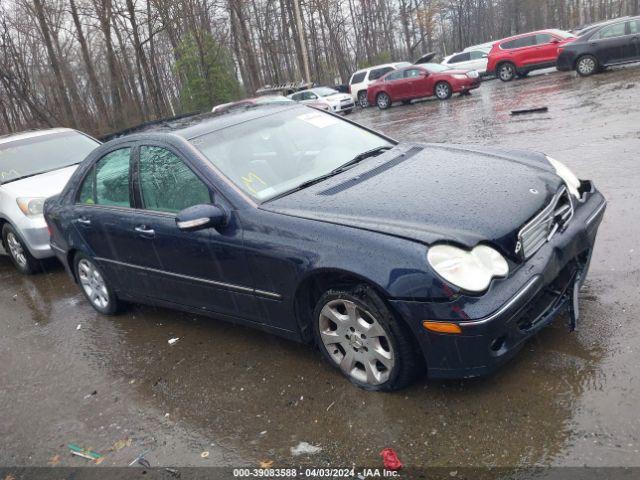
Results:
[315, 284]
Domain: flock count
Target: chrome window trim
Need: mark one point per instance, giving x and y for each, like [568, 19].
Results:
[214, 283]
[595, 214]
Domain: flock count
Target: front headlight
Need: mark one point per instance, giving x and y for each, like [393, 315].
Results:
[31, 206]
[459, 76]
[572, 182]
[469, 270]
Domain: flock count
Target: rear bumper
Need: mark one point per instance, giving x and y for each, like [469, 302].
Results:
[496, 325]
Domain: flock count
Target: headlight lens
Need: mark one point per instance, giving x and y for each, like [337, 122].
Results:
[31, 206]
[572, 182]
[459, 76]
[469, 270]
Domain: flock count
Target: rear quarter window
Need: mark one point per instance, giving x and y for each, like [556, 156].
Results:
[358, 77]
[379, 72]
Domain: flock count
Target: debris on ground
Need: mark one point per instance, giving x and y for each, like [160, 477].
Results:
[530, 110]
[304, 448]
[266, 464]
[141, 460]
[173, 340]
[173, 472]
[54, 461]
[120, 444]
[204, 454]
[390, 459]
[84, 453]
[79, 326]
[89, 395]
[331, 405]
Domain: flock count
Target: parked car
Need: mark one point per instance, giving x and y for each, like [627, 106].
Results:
[33, 166]
[419, 81]
[521, 54]
[361, 80]
[249, 102]
[469, 60]
[612, 43]
[271, 216]
[336, 101]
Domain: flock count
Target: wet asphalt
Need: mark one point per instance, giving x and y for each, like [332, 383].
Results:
[114, 384]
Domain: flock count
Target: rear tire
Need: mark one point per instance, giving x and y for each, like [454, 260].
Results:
[95, 286]
[383, 101]
[443, 90]
[18, 251]
[359, 335]
[506, 71]
[363, 101]
[587, 65]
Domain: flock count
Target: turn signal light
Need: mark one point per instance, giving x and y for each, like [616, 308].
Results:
[442, 327]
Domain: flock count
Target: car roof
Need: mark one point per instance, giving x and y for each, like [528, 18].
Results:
[192, 126]
[12, 137]
[392, 64]
[520, 35]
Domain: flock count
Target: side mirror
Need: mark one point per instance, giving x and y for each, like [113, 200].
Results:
[425, 73]
[555, 40]
[200, 217]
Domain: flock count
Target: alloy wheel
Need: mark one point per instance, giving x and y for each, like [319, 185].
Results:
[383, 101]
[586, 66]
[362, 100]
[506, 72]
[93, 284]
[443, 91]
[16, 250]
[356, 342]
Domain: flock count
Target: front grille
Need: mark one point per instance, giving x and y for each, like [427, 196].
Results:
[551, 220]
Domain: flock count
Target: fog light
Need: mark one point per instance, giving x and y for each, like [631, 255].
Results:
[442, 327]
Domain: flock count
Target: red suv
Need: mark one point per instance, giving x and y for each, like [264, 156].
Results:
[520, 54]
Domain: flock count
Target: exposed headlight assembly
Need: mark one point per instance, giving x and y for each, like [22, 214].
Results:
[31, 206]
[572, 182]
[470, 270]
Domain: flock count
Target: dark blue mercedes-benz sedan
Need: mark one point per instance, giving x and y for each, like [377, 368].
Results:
[393, 258]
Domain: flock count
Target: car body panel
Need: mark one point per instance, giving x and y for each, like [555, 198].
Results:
[421, 86]
[390, 208]
[540, 50]
[468, 60]
[32, 230]
[608, 51]
[355, 87]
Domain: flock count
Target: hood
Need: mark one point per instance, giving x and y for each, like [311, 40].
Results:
[425, 58]
[432, 193]
[42, 185]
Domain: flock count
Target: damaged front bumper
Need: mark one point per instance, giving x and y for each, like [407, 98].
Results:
[496, 324]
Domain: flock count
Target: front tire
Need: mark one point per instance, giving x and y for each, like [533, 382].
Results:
[443, 90]
[383, 101]
[18, 252]
[95, 286]
[363, 101]
[348, 112]
[358, 334]
[587, 65]
[506, 71]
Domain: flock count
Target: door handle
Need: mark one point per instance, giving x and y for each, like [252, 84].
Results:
[144, 231]
[83, 221]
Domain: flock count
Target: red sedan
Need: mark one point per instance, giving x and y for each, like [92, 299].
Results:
[419, 81]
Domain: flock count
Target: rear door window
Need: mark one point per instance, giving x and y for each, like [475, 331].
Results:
[462, 57]
[413, 73]
[107, 183]
[167, 184]
[543, 38]
[376, 73]
[634, 27]
[612, 31]
[394, 76]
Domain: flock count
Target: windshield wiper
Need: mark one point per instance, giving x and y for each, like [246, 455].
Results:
[374, 152]
[358, 158]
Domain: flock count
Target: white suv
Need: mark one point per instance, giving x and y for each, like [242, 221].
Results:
[34, 166]
[361, 79]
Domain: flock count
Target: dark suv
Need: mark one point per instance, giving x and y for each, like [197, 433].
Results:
[612, 43]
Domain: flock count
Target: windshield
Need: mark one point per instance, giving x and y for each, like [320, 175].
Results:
[435, 67]
[324, 91]
[276, 153]
[30, 156]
